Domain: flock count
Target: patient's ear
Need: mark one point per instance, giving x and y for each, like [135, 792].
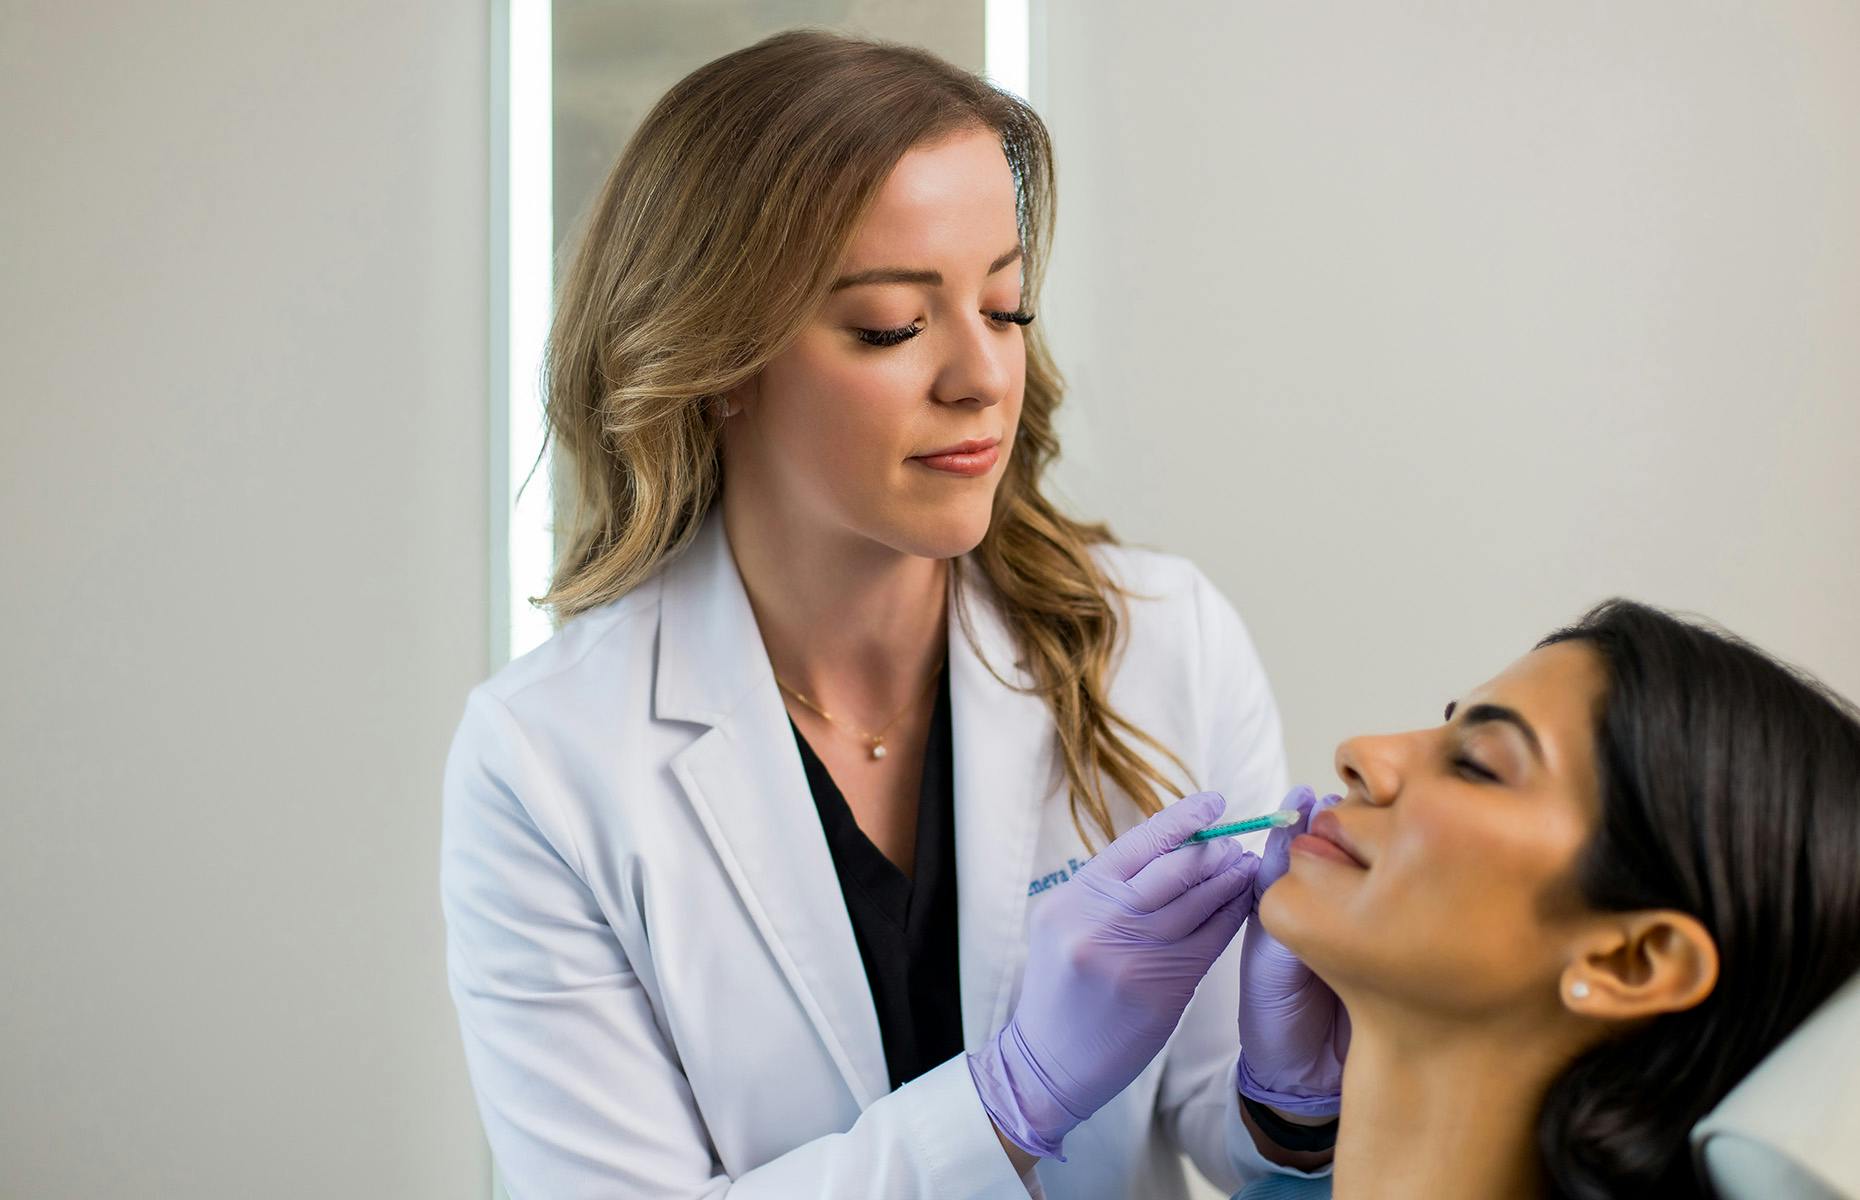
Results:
[1640, 964]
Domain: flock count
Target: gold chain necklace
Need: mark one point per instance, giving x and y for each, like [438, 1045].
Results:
[876, 740]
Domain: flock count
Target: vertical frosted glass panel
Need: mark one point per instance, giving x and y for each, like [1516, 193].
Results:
[614, 61]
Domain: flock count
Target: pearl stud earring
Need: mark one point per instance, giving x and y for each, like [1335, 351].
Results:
[1579, 990]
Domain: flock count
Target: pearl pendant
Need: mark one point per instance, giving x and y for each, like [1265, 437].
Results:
[878, 750]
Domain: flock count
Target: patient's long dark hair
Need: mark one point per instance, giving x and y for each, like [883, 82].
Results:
[1730, 789]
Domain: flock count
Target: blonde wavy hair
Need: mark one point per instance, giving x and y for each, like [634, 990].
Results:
[712, 242]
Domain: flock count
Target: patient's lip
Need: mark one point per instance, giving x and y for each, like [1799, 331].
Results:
[1327, 827]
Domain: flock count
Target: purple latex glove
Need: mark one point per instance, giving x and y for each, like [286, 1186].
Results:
[1294, 1031]
[1113, 957]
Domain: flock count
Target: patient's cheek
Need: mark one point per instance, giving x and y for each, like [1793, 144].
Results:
[1505, 847]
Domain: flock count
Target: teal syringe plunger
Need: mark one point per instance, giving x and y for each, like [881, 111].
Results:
[1279, 820]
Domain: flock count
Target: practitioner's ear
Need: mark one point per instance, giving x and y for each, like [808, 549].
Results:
[1640, 964]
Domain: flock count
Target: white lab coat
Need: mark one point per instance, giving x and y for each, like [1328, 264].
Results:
[656, 978]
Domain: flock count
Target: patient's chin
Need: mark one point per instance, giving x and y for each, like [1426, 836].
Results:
[1306, 918]
[1288, 911]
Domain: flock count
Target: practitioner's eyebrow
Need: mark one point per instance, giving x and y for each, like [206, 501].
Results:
[1485, 714]
[913, 274]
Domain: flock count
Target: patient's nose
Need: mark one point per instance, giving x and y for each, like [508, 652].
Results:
[1370, 768]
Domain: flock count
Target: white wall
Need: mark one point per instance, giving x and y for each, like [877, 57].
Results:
[1423, 326]
[242, 466]
[1420, 327]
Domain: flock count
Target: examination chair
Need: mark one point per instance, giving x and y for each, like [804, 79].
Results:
[1791, 1129]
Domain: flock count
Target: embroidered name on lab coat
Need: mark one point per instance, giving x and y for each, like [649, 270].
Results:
[1054, 878]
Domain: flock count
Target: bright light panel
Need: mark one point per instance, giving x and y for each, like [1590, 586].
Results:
[531, 243]
[1007, 45]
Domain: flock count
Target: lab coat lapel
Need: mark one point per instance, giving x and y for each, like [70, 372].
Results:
[1004, 752]
[745, 780]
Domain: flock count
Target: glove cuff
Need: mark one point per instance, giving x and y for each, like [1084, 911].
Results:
[1016, 1095]
[1306, 1104]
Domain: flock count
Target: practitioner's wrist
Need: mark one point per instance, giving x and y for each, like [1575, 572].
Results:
[1298, 1118]
[1293, 1132]
[1021, 1161]
[1025, 1115]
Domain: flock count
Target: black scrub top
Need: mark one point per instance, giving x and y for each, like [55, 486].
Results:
[905, 925]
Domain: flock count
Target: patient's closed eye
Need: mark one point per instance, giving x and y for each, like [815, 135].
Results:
[1473, 768]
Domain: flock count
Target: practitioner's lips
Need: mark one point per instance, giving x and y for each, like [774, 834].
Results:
[1328, 840]
[974, 457]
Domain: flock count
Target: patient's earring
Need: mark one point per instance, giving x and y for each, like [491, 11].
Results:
[1579, 990]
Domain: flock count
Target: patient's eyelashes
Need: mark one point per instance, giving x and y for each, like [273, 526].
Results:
[1473, 769]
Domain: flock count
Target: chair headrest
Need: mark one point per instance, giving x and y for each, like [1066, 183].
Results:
[1791, 1129]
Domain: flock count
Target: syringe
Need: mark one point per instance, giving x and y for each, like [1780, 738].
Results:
[1282, 819]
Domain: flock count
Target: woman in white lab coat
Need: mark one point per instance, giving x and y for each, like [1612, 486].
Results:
[745, 869]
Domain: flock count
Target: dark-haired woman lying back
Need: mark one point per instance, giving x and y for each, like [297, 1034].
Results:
[1566, 921]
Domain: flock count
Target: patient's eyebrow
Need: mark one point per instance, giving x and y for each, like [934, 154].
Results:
[913, 275]
[1482, 714]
